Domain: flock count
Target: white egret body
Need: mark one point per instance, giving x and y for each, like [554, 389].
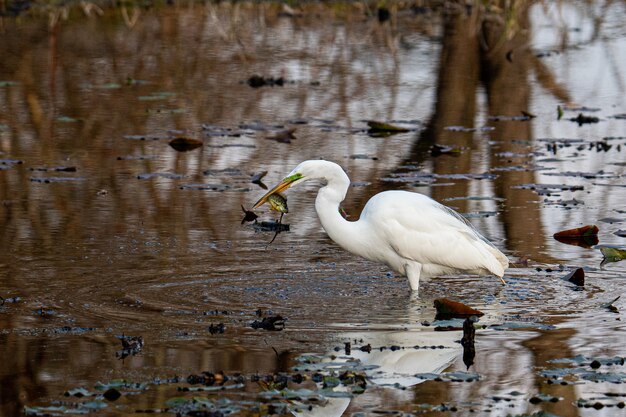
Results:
[410, 232]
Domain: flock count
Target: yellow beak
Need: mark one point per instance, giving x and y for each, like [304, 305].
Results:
[284, 184]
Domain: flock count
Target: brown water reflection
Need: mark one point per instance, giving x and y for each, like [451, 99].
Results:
[101, 252]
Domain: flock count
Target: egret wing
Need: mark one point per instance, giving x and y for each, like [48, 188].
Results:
[422, 230]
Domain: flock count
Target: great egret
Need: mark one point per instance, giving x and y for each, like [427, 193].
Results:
[410, 232]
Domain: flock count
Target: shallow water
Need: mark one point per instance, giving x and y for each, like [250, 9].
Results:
[142, 240]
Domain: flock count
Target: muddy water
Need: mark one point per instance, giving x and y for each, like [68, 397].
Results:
[108, 231]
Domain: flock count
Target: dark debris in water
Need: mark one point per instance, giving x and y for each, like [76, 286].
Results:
[48, 180]
[57, 169]
[457, 376]
[185, 144]
[274, 226]
[248, 216]
[273, 323]
[447, 309]
[582, 119]
[256, 81]
[549, 189]
[9, 300]
[283, 136]
[131, 345]
[166, 175]
[213, 187]
[217, 328]
[576, 277]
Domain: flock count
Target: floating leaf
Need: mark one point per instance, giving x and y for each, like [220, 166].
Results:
[610, 305]
[283, 136]
[256, 179]
[589, 230]
[269, 323]
[183, 144]
[112, 394]
[437, 150]
[612, 254]
[582, 119]
[381, 127]
[576, 277]
[448, 309]
[256, 81]
[249, 216]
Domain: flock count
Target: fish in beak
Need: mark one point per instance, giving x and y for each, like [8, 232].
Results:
[282, 186]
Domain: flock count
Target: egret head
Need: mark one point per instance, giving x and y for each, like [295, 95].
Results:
[306, 170]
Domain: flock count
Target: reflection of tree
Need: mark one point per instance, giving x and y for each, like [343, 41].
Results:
[548, 345]
[480, 49]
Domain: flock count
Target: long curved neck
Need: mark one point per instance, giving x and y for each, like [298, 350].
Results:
[338, 229]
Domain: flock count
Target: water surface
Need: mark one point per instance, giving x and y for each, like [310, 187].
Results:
[108, 231]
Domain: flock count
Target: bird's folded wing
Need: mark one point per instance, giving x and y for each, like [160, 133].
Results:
[434, 234]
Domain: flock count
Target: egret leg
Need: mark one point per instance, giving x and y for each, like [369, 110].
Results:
[413, 271]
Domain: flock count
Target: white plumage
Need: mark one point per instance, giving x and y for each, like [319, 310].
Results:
[410, 232]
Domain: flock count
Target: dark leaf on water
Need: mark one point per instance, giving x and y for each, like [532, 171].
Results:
[47, 180]
[576, 277]
[582, 119]
[273, 323]
[586, 236]
[283, 136]
[112, 394]
[381, 127]
[256, 81]
[448, 309]
[256, 179]
[248, 216]
[217, 328]
[58, 169]
[183, 144]
[589, 230]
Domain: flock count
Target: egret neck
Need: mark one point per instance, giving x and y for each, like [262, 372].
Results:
[343, 232]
